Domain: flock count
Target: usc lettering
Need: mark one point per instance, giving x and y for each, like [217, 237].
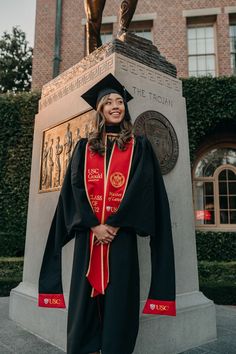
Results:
[94, 174]
[155, 307]
[111, 209]
[159, 307]
[52, 301]
[162, 307]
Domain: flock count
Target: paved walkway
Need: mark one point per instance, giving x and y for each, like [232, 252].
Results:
[13, 339]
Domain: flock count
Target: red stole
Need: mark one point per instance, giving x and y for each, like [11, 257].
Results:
[105, 191]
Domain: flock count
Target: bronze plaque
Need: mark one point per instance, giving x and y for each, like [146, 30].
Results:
[57, 147]
[161, 135]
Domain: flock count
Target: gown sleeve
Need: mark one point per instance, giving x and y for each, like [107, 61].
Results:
[73, 215]
[145, 208]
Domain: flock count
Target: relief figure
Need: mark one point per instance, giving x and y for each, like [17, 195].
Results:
[50, 165]
[68, 142]
[58, 152]
[77, 137]
[45, 165]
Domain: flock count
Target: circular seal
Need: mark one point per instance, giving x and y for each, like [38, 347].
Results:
[117, 179]
[161, 135]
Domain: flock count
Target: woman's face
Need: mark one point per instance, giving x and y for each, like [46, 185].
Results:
[114, 109]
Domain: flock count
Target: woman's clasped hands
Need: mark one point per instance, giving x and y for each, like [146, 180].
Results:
[104, 233]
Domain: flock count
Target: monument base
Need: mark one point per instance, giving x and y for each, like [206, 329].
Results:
[157, 334]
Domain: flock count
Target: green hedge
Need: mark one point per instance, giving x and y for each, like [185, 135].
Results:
[210, 102]
[216, 246]
[10, 274]
[16, 134]
[218, 282]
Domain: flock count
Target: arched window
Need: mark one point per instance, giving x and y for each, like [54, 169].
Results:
[214, 189]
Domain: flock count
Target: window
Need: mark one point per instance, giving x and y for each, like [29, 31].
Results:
[227, 196]
[232, 36]
[214, 187]
[142, 29]
[106, 33]
[201, 51]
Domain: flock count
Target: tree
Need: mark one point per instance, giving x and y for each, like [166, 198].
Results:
[15, 62]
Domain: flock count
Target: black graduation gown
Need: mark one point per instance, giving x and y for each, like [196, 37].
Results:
[110, 322]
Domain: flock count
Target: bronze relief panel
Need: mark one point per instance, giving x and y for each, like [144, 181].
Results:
[57, 147]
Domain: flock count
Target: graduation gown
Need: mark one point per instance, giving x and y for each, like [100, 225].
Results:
[110, 322]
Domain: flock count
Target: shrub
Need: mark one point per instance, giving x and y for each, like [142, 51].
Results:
[216, 246]
[10, 274]
[217, 281]
[16, 135]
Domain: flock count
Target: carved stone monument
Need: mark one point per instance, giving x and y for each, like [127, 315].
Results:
[158, 110]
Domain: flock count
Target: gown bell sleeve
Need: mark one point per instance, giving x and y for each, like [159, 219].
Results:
[145, 208]
[73, 215]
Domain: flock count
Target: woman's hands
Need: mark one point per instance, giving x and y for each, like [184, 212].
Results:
[104, 233]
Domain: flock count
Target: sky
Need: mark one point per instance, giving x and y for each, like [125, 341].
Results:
[18, 12]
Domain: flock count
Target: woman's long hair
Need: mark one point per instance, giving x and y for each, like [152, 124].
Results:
[96, 138]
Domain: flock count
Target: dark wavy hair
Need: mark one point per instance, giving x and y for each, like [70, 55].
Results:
[96, 138]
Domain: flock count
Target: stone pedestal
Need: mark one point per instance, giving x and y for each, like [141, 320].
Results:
[154, 89]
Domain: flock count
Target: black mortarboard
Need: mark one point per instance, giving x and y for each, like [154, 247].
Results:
[109, 84]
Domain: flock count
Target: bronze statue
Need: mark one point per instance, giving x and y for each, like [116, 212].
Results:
[94, 10]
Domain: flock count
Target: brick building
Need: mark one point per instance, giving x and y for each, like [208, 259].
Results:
[197, 36]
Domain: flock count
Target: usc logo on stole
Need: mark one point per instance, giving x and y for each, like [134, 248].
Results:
[159, 307]
[117, 179]
[52, 301]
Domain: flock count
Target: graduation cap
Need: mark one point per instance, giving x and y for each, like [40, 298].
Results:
[109, 84]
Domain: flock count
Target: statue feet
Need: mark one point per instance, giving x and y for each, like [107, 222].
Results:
[121, 34]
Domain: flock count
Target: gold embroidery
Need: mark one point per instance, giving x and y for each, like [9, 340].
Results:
[117, 179]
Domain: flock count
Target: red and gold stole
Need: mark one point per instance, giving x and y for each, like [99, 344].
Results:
[105, 190]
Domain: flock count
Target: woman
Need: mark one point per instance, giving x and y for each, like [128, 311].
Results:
[113, 190]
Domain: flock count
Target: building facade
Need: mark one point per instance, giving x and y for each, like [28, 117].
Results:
[198, 36]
